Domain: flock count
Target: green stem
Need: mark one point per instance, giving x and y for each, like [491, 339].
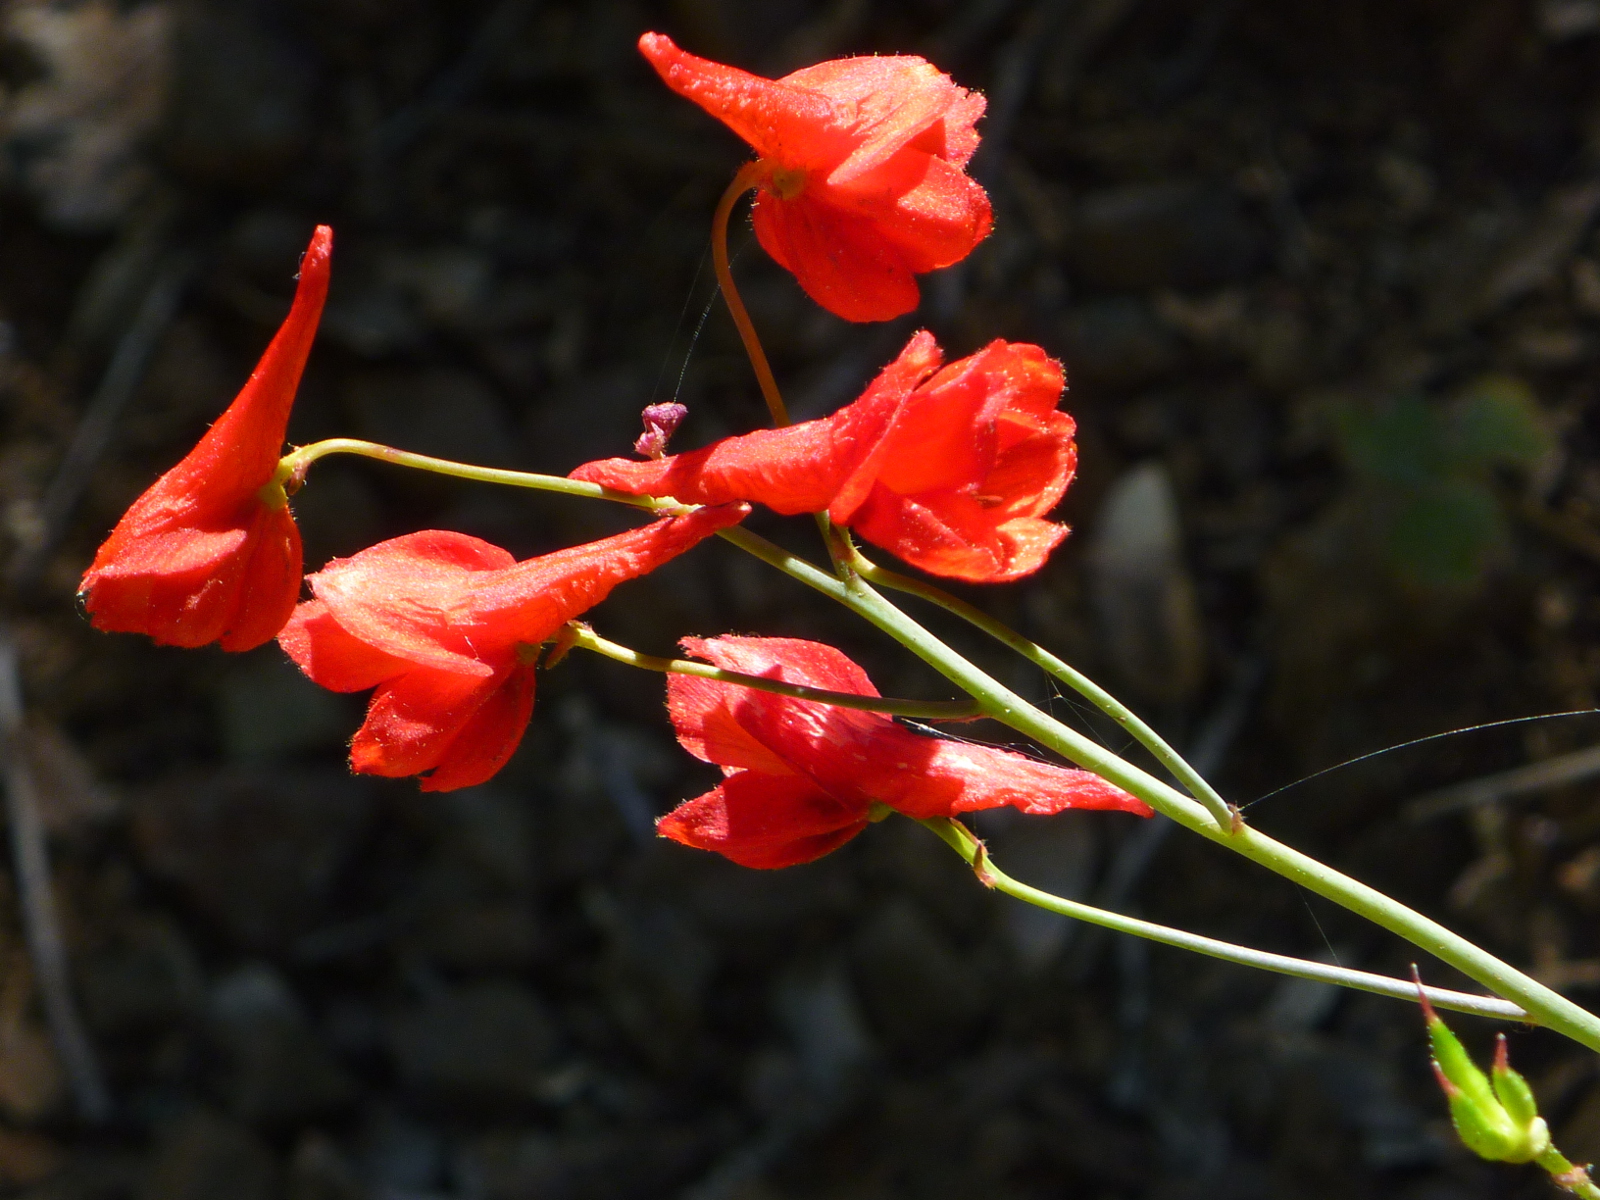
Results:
[963, 841]
[1566, 1176]
[292, 469]
[1544, 1005]
[584, 638]
[1073, 678]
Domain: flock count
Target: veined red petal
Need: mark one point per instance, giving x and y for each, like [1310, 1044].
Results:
[933, 213]
[837, 257]
[415, 716]
[333, 657]
[932, 777]
[414, 597]
[888, 101]
[764, 821]
[269, 580]
[489, 737]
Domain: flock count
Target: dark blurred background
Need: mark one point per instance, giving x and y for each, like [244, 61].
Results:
[1327, 288]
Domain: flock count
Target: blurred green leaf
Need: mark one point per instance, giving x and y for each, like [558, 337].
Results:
[1497, 422]
[1445, 533]
[1428, 471]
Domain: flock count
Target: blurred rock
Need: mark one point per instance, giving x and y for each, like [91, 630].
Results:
[1056, 855]
[1143, 595]
[481, 1046]
[70, 796]
[1117, 343]
[657, 965]
[920, 991]
[32, 1085]
[79, 132]
[319, 1170]
[27, 1158]
[1182, 235]
[400, 1156]
[1543, 250]
[240, 112]
[146, 978]
[270, 711]
[275, 1072]
[820, 1012]
[257, 854]
[204, 1157]
[446, 413]
[611, 1165]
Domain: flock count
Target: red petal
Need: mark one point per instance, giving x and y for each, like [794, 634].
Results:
[763, 821]
[795, 126]
[932, 213]
[932, 777]
[527, 603]
[888, 100]
[840, 258]
[179, 588]
[792, 660]
[413, 596]
[713, 720]
[488, 738]
[414, 717]
[270, 582]
[702, 714]
[332, 657]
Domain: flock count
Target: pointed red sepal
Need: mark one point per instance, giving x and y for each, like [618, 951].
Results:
[210, 553]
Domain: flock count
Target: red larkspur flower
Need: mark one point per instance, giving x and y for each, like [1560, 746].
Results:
[211, 552]
[446, 627]
[866, 187]
[953, 470]
[801, 777]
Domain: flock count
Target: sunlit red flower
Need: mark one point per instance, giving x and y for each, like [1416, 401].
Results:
[446, 627]
[801, 777]
[866, 186]
[211, 552]
[953, 470]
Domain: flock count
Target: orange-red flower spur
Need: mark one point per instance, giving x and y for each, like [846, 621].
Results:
[211, 553]
[864, 186]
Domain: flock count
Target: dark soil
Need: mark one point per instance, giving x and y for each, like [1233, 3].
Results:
[1255, 232]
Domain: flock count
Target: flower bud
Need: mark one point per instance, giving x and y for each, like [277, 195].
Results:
[1498, 1121]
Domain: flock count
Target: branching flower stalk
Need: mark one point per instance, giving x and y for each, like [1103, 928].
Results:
[953, 467]
[1536, 1002]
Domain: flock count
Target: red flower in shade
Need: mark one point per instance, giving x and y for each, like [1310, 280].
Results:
[446, 627]
[802, 777]
[211, 553]
[865, 187]
[952, 470]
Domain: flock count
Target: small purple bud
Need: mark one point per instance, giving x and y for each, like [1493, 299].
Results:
[659, 422]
